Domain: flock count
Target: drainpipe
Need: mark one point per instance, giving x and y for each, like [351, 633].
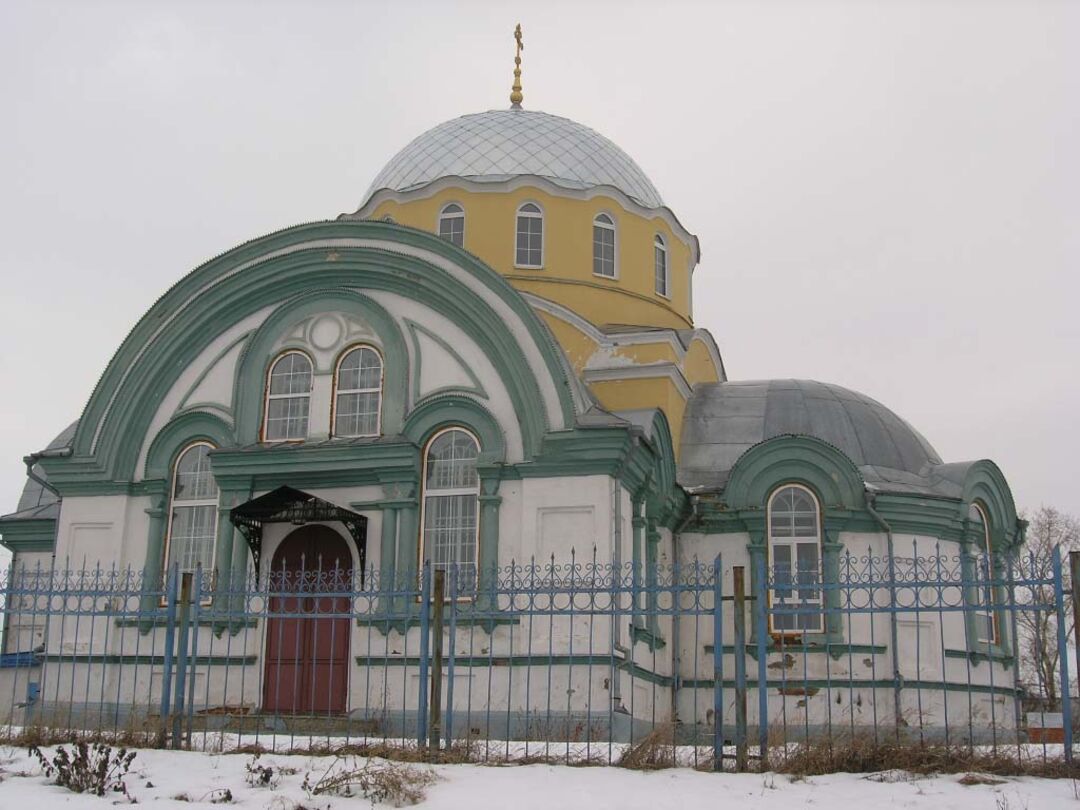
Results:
[616, 571]
[871, 499]
[33, 458]
[676, 619]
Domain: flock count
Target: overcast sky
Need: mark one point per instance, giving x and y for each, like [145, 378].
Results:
[887, 194]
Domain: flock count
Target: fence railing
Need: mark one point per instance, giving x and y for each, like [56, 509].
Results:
[582, 660]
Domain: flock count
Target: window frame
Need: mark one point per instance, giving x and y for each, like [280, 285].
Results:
[337, 390]
[660, 248]
[983, 584]
[267, 396]
[818, 541]
[447, 215]
[538, 214]
[465, 590]
[612, 226]
[166, 562]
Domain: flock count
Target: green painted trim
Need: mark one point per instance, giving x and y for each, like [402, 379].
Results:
[845, 684]
[477, 387]
[654, 641]
[179, 433]
[453, 410]
[275, 268]
[385, 624]
[183, 406]
[28, 534]
[112, 658]
[976, 658]
[835, 649]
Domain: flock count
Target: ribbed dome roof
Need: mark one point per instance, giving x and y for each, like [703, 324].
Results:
[499, 144]
[724, 420]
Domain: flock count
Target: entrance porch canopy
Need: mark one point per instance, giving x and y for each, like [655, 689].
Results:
[288, 505]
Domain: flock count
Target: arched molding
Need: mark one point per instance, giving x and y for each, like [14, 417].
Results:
[815, 464]
[986, 484]
[181, 432]
[259, 353]
[275, 268]
[453, 410]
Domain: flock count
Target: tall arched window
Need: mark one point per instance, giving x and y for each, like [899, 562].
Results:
[288, 398]
[452, 224]
[984, 618]
[795, 557]
[451, 496]
[358, 392]
[660, 266]
[193, 511]
[603, 246]
[529, 246]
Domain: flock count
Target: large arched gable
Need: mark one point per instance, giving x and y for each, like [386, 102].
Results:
[286, 265]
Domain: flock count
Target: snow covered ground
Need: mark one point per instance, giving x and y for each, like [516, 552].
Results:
[188, 780]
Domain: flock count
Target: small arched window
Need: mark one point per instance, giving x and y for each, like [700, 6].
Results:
[660, 266]
[795, 555]
[452, 224]
[984, 618]
[288, 398]
[358, 392]
[529, 247]
[449, 535]
[193, 511]
[603, 246]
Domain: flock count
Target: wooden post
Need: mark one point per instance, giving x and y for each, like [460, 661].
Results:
[435, 727]
[739, 573]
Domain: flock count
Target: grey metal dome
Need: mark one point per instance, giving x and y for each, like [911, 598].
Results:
[499, 144]
[724, 420]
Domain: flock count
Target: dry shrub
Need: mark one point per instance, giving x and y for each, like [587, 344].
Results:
[379, 781]
[860, 755]
[656, 750]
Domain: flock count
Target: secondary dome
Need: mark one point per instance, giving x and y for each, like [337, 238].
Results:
[724, 420]
[499, 144]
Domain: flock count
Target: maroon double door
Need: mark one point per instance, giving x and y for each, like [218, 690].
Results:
[307, 646]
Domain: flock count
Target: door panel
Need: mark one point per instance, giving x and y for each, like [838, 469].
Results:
[307, 650]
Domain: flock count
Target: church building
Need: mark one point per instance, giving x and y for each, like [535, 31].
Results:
[492, 360]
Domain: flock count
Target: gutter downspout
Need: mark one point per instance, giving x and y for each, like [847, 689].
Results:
[676, 622]
[33, 458]
[616, 573]
[871, 499]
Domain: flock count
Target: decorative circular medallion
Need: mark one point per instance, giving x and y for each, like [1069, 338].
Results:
[325, 332]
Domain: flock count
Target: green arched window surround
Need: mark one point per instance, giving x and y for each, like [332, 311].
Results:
[181, 431]
[258, 355]
[454, 410]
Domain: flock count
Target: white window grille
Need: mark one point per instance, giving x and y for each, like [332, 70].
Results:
[452, 224]
[529, 247]
[358, 397]
[795, 557]
[603, 235]
[288, 398]
[451, 503]
[986, 625]
[193, 511]
[660, 266]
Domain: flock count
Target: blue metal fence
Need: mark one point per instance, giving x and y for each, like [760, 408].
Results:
[583, 660]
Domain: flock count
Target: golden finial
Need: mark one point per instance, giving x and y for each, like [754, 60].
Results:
[515, 91]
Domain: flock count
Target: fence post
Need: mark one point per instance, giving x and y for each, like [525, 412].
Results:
[1062, 640]
[1074, 589]
[170, 640]
[435, 730]
[718, 666]
[739, 575]
[760, 606]
[181, 661]
[425, 626]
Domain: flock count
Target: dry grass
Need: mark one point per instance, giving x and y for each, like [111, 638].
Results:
[381, 782]
[860, 755]
[655, 751]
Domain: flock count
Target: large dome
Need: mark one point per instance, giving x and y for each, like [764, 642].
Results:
[499, 144]
[724, 420]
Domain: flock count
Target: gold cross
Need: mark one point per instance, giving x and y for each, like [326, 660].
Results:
[515, 92]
